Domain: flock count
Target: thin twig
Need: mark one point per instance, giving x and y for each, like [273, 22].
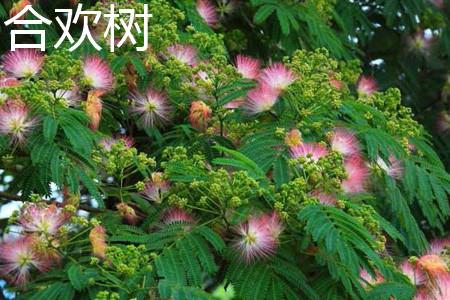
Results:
[5, 197]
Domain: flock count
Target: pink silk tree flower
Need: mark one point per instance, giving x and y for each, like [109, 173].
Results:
[151, 108]
[207, 11]
[97, 73]
[247, 66]
[393, 167]
[7, 82]
[335, 82]
[185, 54]
[42, 219]
[345, 142]
[15, 121]
[432, 264]
[443, 122]
[324, 198]
[369, 279]
[420, 41]
[235, 103]
[108, 142]
[18, 7]
[176, 215]
[273, 224]
[357, 174]
[23, 63]
[260, 99]
[199, 115]
[155, 187]
[97, 237]
[366, 85]
[440, 290]
[258, 237]
[415, 274]
[438, 246]
[277, 76]
[438, 3]
[94, 107]
[422, 294]
[313, 151]
[19, 257]
[72, 98]
[293, 138]
[127, 213]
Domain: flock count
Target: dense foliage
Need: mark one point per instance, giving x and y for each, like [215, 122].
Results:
[245, 154]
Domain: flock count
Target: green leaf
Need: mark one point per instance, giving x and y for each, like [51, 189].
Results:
[75, 276]
[91, 187]
[283, 20]
[50, 128]
[239, 160]
[118, 62]
[78, 136]
[55, 291]
[263, 13]
[139, 65]
[280, 171]
[390, 290]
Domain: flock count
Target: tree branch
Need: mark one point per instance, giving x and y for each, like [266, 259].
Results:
[5, 197]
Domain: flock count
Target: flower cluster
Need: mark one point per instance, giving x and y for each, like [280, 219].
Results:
[258, 236]
[429, 273]
[35, 248]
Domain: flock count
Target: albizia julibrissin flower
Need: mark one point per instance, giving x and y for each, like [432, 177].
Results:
[277, 76]
[345, 142]
[186, 54]
[422, 294]
[23, 62]
[293, 138]
[413, 272]
[369, 279]
[260, 99]
[97, 73]
[94, 107]
[199, 115]
[335, 82]
[108, 142]
[440, 289]
[432, 264]
[127, 213]
[71, 98]
[258, 236]
[152, 108]
[324, 198]
[367, 85]
[207, 11]
[393, 167]
[154, 188]
[7, 82]
[177, 215]
[420, 41]
[357, 174]
[97, 237]
[439, 246]
[18, 7]
[42, 218]
[313, 151]
[19, 257]
[443, 122]
[15, 121]
[247, 66]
